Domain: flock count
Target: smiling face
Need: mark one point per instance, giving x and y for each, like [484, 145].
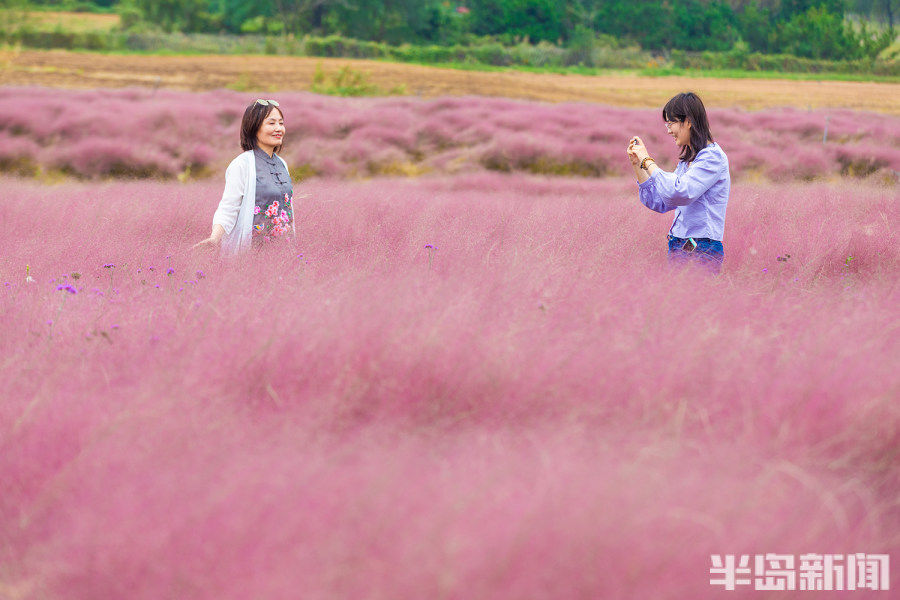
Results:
[271, 132]
[680, 131]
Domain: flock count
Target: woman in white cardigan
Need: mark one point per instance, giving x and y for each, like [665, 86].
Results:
[256, 207]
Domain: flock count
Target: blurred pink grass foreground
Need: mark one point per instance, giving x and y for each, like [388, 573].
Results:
[142, 133]
[534, 407]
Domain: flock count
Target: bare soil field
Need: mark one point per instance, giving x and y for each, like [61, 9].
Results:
[281, 73]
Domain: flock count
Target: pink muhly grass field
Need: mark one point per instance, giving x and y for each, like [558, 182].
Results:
[145, 133]
[536, 406]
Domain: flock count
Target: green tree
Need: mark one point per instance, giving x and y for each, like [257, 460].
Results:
[535, 19]
[889, 8]
[392, 21]
[791, 8]
[301, 16]
[682, 24]
[178, 15]
[234, 13]
[885, 11]
[702, 26]
[755, 26]
[819, 33]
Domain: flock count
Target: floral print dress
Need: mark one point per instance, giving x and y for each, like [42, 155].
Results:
[273, 215]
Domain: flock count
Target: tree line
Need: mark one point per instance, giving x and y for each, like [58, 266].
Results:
[807, 28]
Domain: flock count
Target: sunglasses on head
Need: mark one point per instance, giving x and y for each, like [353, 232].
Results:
[266, 102]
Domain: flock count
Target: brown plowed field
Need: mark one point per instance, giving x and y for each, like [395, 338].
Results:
[275, 73]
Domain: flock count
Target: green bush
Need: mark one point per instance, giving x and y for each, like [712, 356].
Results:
[787, 63]
[581, 47]
[129, 15]
[542, 54]
[63, 39]
[348, 82]
[340, 47]
[491, 54]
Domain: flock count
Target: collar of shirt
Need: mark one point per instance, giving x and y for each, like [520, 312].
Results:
[269, 159]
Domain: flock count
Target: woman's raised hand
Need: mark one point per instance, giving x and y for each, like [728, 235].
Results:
[630, 152]
[637, 147]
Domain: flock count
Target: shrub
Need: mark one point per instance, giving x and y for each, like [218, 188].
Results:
[347, 82]
[338, 46]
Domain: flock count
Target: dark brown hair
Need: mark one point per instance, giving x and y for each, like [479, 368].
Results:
[253, 119]
[687, 106]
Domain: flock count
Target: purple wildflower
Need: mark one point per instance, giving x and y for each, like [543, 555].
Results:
[66, 288]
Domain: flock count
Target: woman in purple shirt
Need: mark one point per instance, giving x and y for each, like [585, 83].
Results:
[698, 189]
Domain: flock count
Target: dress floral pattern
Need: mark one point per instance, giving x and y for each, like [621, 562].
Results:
[276, 221]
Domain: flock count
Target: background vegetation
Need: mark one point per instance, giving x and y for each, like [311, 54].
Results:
[825, 35]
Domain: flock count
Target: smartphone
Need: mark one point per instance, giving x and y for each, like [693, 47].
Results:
[689, 245]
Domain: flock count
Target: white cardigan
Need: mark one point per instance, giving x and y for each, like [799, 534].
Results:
[235, 212]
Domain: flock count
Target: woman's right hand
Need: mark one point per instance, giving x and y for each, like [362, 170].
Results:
[636, 153]
[638, 148]
[207, 244]
[213, 241]
[632, 155]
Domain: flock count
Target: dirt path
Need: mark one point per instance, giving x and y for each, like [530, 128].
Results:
[273, 73]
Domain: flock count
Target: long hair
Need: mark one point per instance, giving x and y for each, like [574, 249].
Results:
[253, 119]
[687, 106]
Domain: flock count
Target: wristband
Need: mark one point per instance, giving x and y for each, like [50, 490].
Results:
[644, 162]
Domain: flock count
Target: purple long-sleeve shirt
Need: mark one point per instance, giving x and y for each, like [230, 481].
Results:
[698, 193]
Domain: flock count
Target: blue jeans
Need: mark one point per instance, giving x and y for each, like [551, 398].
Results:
[709, 254]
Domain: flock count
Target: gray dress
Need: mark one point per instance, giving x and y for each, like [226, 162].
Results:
[273, 216]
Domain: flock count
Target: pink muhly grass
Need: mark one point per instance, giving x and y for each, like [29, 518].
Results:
[17, 154]
[540, 408]
[801, 163]
[95, 157]
[182, 131]
[381, 135]
[864, 159]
